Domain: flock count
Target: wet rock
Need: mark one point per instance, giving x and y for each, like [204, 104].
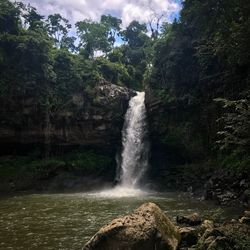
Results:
[226, 198]
[192, 219]
[247, 214]
[228, 189]
[189, 236]
[244, 220]
[148, 228]
[207, 224]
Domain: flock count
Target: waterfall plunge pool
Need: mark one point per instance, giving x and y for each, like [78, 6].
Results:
[67, 221]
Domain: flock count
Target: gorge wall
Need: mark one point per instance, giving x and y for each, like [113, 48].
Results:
[90, 118]
[179, 137]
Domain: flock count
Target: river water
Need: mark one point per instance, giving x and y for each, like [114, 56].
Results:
[67, 221]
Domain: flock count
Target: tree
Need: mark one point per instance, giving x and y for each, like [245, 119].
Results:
[68, 43]
[201, 57]
[155, 25]
[135, 34]
[9, 17]
[93, 37]
[114, 72]
[113, 25]
[58, 28]
[31, 17]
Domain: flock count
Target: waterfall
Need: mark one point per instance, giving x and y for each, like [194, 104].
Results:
[135, 150]
[134, 157]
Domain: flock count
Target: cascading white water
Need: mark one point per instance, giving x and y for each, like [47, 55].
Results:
[134, 158]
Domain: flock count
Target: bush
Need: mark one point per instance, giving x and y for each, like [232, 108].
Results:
[237, 161]
[88, 161]
[12, 167]
[17, 166]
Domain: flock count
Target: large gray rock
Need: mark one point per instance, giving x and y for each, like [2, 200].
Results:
[148, 228]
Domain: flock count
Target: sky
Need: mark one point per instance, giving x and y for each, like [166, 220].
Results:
[127, 10]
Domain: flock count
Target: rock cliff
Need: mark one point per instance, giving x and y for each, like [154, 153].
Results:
[92, 117]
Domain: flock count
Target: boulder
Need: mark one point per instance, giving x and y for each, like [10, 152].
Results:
[148, 228]
[191, 220]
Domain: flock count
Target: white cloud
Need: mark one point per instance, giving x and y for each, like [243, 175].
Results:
[127, 10]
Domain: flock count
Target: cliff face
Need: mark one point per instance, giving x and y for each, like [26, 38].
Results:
[91, 118]
[176, 137]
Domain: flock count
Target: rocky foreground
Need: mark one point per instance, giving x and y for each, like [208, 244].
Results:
[148, 228]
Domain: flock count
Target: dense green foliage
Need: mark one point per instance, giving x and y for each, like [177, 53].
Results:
[198, 67]
[13, 167]
[38, 55]
[42, 64]
[201, 72]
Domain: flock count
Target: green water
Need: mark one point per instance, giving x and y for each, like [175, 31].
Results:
[67, 221]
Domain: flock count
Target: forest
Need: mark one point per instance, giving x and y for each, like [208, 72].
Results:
[65, 89]
[197, 67]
